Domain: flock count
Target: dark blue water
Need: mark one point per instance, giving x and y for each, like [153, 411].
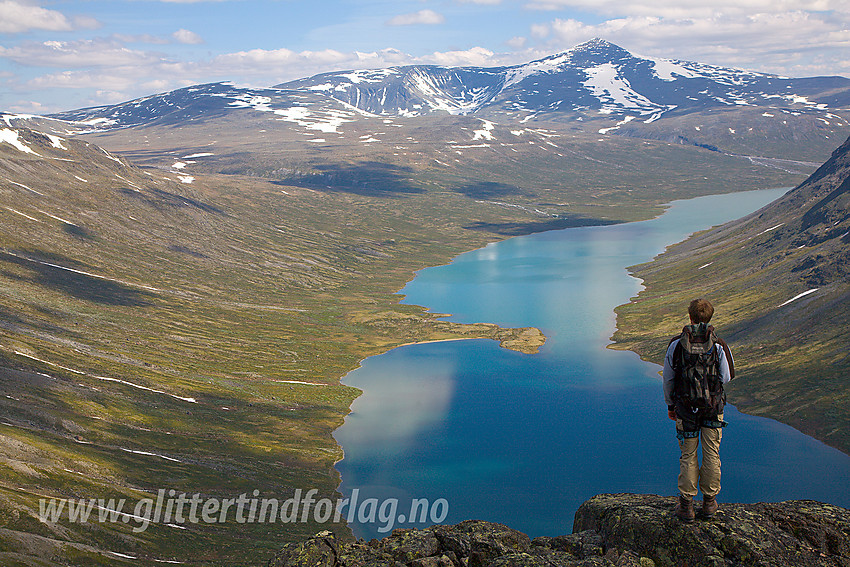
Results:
[525, 439]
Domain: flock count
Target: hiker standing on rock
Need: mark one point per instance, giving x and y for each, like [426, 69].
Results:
[696, 366]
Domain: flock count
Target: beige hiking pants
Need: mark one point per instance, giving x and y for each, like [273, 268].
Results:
[691, 473]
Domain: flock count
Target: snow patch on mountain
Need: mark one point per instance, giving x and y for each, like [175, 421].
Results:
[486, 133]
[60, 219]
[369, 76]
[518, 74]
[669, 70]
[257, 102]
[798, 296]
[21, 214]
[626, 120]
[325, 87]
[7, 118]
[115, 159]
[56, 142]
[30, 189]
[327, 121]
[98, 122]
[323, 120]
[428, 87]
[614, 91]
[12, 138]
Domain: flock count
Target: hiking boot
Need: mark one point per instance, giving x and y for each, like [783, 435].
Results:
[709, 506]
[685, 509]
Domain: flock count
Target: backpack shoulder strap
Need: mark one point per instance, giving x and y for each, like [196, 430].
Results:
[675, 338]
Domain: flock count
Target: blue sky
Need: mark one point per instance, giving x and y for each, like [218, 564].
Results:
[64, 54]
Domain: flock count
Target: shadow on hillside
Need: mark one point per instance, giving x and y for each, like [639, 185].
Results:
[520, 228]
[160, 199]
[367, 178]
[46, 271]
[41, 320]
[488, 190]
[78, 231]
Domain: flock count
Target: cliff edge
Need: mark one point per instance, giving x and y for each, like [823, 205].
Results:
[624, 530]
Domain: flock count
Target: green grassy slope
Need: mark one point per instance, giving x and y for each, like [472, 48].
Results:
[251, 298]
[792, 356]
[252, 291]
[556, 167]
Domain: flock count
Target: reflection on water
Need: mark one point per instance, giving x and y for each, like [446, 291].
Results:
[397, 410]
[524, 439]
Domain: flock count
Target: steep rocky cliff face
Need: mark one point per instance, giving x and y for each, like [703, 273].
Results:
[626, 530]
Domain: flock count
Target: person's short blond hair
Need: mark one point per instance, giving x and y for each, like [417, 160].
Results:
[700, 311]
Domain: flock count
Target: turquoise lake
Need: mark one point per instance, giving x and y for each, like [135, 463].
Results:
[525, 439]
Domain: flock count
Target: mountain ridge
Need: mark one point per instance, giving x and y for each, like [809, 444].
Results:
[596, 76]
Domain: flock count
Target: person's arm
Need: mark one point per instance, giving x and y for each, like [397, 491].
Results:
[727, 365]
[667, 376]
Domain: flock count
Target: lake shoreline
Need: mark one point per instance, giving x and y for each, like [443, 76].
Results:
[647, 310]
[460, 419]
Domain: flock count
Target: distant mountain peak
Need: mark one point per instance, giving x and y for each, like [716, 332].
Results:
[595, 78]
[595, 44]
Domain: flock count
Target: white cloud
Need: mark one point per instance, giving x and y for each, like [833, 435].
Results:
[427, 17]
[116, 79]
[187, 37]
[517, 42]
[28, 107]
[277, 60]
[113, 97]
[76, 54]
[540, 30]
[287, 65]
[488, 2]
[477, 56]
[140, 38]
[180, 36]
[17, 17]
[690, 8]
[758, 41]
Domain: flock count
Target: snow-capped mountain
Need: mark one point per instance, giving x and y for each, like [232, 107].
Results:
[176, 106]
[594, 78]
[410, 90]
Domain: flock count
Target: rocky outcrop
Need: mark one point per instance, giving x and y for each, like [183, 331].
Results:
[794, 533]
[624, 530]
